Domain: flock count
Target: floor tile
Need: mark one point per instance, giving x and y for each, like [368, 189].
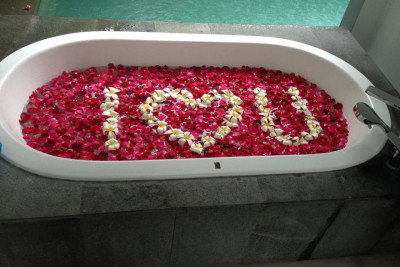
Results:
[125, 25]
[26, 195]
[286, 231]
[13, 30]
[338, 41]
[357, 228]
[181, 27]
[130, 196]
[212, 236]
[43, 243]
[128, 239]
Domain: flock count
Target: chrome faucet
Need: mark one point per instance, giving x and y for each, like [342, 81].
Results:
[369, 117]
[383, 96]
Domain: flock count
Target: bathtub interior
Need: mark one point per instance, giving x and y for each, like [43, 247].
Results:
[36, 64]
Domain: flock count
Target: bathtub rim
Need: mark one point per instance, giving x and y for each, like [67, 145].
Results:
[229, 168]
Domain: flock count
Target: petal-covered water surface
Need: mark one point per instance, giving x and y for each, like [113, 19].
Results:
[158, 112]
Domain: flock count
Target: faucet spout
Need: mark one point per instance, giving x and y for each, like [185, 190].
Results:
[383, 96]
[368, 116]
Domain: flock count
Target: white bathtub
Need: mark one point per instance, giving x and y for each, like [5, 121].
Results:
[34, 65]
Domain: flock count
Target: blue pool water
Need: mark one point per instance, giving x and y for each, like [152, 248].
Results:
[256, 12]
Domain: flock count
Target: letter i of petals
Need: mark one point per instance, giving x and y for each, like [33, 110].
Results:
[110, 127]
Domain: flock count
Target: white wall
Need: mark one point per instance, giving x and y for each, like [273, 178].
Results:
[378, 30]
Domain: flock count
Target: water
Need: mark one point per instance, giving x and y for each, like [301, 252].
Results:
[256, 12]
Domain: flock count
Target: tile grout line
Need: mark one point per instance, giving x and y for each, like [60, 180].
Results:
[173, 238]
[306, 254]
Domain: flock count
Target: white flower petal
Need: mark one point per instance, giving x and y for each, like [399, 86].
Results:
[197, 148]
[287, 142]
[172, 137]
[161, 130]
[182, 141]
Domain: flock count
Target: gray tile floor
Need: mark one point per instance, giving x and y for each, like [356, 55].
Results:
[384, 260]
[26, 196]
